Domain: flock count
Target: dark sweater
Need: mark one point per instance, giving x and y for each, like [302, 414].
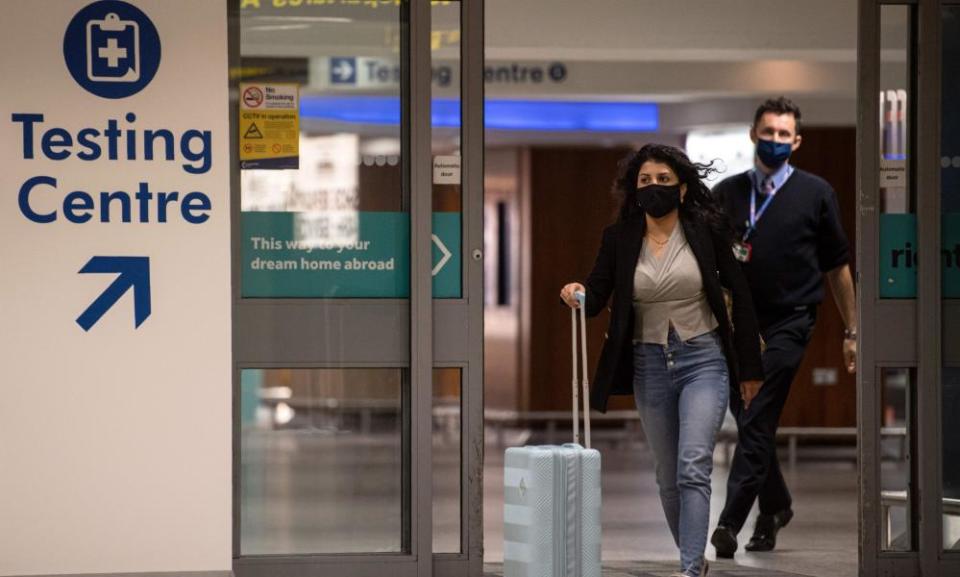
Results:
[798, 238]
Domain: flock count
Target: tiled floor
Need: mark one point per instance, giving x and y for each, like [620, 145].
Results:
[664, 570]
[316, 491]
[821, 541]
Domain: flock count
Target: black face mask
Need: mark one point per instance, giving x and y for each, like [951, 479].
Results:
[658, 200]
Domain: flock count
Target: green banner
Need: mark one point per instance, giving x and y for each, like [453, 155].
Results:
[898, 256]
[279, 263]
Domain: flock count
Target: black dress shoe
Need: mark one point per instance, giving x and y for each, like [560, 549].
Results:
[765, 532]
[724, 540]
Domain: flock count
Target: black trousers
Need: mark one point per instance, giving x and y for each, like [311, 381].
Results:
[755, 471]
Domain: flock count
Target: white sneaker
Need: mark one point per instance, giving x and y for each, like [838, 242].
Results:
[704, 570]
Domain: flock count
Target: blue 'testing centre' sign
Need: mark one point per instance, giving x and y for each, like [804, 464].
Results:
[112, 50]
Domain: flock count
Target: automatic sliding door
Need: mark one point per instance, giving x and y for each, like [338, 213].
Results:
[909, 233]
[332, 317]
[456, 147]
[950, 238]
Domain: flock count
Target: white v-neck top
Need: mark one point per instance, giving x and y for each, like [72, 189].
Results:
[668, 290]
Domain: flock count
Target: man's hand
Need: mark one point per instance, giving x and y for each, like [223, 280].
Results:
[749, 390]
[841, 284]
[850, 355]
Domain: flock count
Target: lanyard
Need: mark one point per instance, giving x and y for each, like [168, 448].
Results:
[754, 213]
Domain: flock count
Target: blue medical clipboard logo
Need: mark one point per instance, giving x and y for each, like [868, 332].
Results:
[112, 49]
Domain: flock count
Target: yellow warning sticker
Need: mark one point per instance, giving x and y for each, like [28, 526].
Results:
[269, 126]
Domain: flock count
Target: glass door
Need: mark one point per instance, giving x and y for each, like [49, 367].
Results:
[357, 342]
[947, 507]
[456, 150]
[907, 384]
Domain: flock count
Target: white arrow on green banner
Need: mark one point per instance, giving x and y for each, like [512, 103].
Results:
[447, 255]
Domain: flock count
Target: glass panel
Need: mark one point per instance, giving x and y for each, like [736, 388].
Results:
[320, 453]
[950, 231]
[447, 461]
[951, 458]
[324, 215]
[447, 181]
[329, 219]
[898, 224]
[895, 466]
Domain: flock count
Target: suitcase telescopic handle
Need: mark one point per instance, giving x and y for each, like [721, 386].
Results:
[582, 301]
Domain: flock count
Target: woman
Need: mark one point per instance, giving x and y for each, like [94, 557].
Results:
[665, 262]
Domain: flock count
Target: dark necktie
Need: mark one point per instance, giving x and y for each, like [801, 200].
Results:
[767, 187]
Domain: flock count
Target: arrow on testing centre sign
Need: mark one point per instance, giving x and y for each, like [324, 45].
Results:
[343, 70]
[134, 272]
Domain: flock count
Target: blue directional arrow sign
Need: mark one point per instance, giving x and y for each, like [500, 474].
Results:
[343, 70]
[133, 271]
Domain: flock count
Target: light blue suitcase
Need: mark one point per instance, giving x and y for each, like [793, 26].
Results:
[552, 497]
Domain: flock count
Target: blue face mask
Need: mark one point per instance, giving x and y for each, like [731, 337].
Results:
[773, 154]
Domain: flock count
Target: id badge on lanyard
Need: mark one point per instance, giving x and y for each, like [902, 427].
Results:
[743, 250]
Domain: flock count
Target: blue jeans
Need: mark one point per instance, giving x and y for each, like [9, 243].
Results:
[682, 391]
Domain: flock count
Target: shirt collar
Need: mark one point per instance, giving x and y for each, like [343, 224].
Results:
[779, 176]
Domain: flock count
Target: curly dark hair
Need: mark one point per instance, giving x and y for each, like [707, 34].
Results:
[699, 205]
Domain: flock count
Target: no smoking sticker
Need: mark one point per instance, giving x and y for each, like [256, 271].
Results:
[269, 126]
[253, 97]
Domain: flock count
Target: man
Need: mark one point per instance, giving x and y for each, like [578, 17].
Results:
[788, 237]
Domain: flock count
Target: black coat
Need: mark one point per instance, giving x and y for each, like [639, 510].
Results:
[613, 275]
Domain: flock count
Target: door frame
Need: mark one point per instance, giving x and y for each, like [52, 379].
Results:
[918, 321]
[470, 561]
